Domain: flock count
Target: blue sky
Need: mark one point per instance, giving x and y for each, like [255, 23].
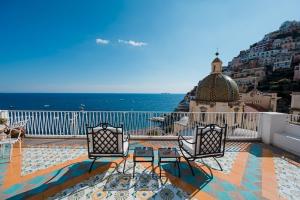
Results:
[126, 46]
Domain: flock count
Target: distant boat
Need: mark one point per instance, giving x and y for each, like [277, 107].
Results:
[11, 106]
[165, 93]
[46, 105]
[122, 99]
[82, 107]
[157, 119]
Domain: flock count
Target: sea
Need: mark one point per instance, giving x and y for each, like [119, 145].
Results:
[90, 101]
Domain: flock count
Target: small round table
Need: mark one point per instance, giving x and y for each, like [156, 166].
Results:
[168, 155]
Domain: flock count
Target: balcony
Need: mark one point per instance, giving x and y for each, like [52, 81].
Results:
[52, 162]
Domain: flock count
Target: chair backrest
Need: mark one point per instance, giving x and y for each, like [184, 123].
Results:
[105, 139]
[210, 140]
[18, 124]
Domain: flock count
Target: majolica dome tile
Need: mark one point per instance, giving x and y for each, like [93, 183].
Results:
[217, 88]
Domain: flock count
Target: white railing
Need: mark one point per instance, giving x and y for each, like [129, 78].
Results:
[73, 123]
[294, 119]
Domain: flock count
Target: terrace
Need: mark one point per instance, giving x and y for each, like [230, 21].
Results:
[52, 162]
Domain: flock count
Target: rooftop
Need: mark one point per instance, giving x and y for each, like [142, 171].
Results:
[58, 169]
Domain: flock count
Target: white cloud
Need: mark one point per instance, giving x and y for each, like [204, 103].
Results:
[100, 41]
[133, 43]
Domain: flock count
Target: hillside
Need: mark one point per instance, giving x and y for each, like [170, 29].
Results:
[272, 64]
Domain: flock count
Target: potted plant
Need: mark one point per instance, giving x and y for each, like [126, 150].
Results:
[3, 121]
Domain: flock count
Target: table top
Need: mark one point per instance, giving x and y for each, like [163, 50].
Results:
[168, 153]
[143, 152]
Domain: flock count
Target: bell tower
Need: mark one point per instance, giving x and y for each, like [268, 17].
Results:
[216, 65]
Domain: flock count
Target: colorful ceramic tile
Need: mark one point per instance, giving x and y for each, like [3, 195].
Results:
[288, 178]
[250, 171]
[38, 158]
[114, 185]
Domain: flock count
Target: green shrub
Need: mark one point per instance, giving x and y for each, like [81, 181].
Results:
[3, 121]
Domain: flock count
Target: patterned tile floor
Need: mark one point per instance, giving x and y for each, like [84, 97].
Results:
[59, 170]
[42, 157]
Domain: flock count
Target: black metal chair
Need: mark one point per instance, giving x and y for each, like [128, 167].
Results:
[208, 141]
[105, 140]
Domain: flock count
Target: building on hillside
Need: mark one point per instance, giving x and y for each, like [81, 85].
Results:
[260, 101]
[288, 43]
[295, 103]
[273, 34]
[235, 63]
[297, 73]
[270, 57]
[261, 46]
[244, 83]
[283, 61]
[289, 26]
[297, 41]
[217, 92]
[277, 43]
[227, 71]
[258, 72]
[296, 58]
[244, 56]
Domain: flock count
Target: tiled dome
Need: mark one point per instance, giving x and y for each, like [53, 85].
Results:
[217, 87]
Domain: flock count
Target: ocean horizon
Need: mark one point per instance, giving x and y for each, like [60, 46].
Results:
[90, 101]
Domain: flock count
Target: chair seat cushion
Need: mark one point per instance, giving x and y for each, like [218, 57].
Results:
[125, 146]
[189, 147]
[112, 129]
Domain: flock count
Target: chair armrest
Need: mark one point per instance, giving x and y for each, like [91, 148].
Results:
[180, 138]
[14, 129]
[126, 138]
[181, 147]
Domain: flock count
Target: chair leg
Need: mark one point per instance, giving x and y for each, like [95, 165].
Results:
[134, 163]
[2, 150]
[11, 151]
[124, 164]
[218, 163]
[20, 146]
[189, 165]
[92, 165]
[187, 160]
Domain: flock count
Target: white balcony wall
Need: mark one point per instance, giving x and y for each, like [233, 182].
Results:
[277, 130]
